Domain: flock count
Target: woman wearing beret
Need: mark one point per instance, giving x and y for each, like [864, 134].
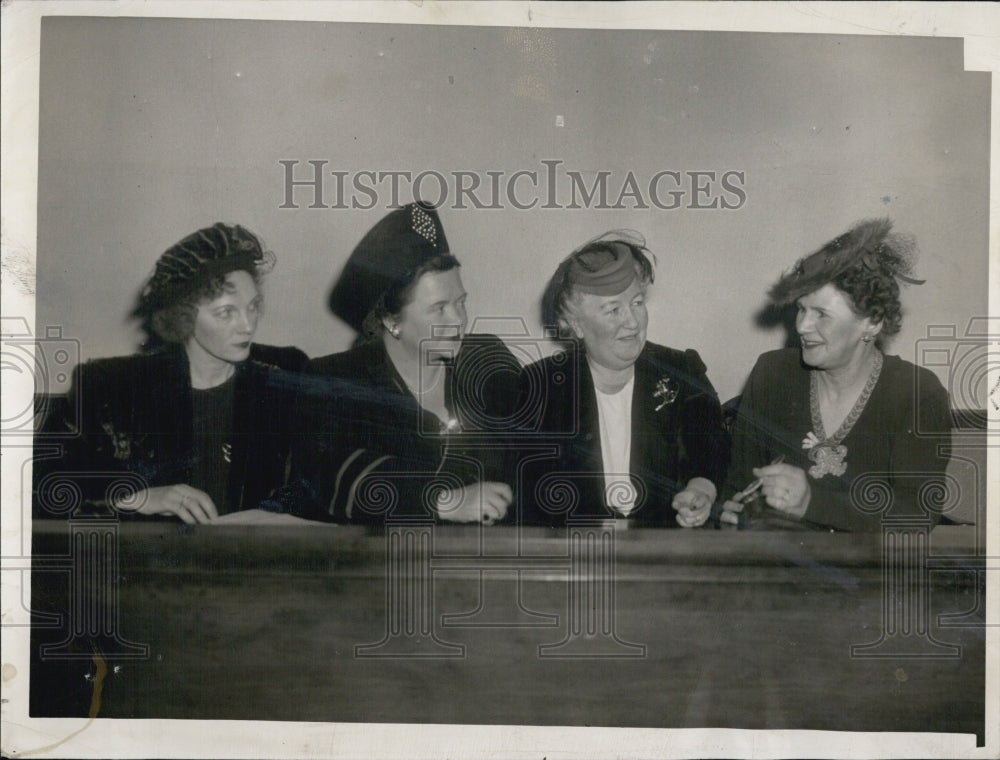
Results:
[624, 428]
[857, 431]
[193, 428]
[403, 424]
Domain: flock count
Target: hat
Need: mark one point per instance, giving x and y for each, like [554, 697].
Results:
[604, 266]
[868, 244]
[207, 253]
[388, 255]
[604, 270]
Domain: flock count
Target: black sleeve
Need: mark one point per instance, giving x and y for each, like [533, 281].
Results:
[92, 469]
[749, 446]
[703, 437]
[340, 473]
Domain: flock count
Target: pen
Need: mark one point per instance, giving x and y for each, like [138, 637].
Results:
[750, 489]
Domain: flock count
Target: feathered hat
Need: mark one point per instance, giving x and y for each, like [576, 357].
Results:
[868, 244]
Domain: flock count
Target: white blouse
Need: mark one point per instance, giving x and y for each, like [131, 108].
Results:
[615, 414]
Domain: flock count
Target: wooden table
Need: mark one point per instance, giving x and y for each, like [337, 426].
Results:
[591, 625]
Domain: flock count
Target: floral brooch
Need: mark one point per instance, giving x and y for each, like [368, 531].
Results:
[666, 391]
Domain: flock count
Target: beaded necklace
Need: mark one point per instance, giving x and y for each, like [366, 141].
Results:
[828, 453]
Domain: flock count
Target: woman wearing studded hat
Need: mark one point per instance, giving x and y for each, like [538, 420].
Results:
[858, 431]
[624, 428]
[193, 427]
[404, 423]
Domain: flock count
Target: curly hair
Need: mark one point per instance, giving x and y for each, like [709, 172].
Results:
[192, 271]
[874, 295]
[175, 323]
[866, 263]
[391, 302]
[591, 257]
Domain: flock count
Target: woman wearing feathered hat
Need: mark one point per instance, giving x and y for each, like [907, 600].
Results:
[827, 432]
[193, 427]
[402, 423]
[633, 429]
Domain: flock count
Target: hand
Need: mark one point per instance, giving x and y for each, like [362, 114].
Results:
[785, 487]
[731, 512]
[485, 502]
[189, 504]
[694, 503]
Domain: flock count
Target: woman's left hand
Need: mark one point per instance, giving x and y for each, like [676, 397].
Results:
[694, 503]
[785, 487]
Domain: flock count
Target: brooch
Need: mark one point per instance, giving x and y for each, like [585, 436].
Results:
[119, 441]
[666, 390]
[828, 457]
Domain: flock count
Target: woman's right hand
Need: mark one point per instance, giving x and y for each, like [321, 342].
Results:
[785, 487]
[484, 502]
[189, 504]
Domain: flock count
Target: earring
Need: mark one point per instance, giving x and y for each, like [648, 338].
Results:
[866, 338]
[394, 331]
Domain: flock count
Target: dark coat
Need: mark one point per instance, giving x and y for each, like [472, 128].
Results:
[559, 468]
[366, 450]
[892, 450]
[131, 422]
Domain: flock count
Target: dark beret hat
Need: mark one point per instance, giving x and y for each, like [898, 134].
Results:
[388, 255]
[202, 255]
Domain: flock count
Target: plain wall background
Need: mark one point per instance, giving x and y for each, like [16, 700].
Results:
[151, 128]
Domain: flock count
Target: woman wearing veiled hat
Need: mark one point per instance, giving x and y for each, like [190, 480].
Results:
[625, 428]
[403, 423]
[858, 430]
[193, 427]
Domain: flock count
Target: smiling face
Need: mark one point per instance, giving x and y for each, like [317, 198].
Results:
[612, 328]
[225, 325]
[829, 329]
[434, 317]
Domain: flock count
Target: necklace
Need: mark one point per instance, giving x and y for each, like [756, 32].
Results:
[827, 453]
[447, 424]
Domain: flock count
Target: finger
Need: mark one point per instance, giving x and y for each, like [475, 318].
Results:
[732, 507]
[492, 500]
[778, 500]
[198, 511]
[191, 511]
[202, 506]
[493, 513]
[702, 508]
[729, 517]
[693, 519]
[699, 520]
[771, 471]
[505, 491]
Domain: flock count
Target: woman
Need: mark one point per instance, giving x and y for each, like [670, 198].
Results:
[404, 423]
[192, 428]
[858, 431]
[625, 428]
